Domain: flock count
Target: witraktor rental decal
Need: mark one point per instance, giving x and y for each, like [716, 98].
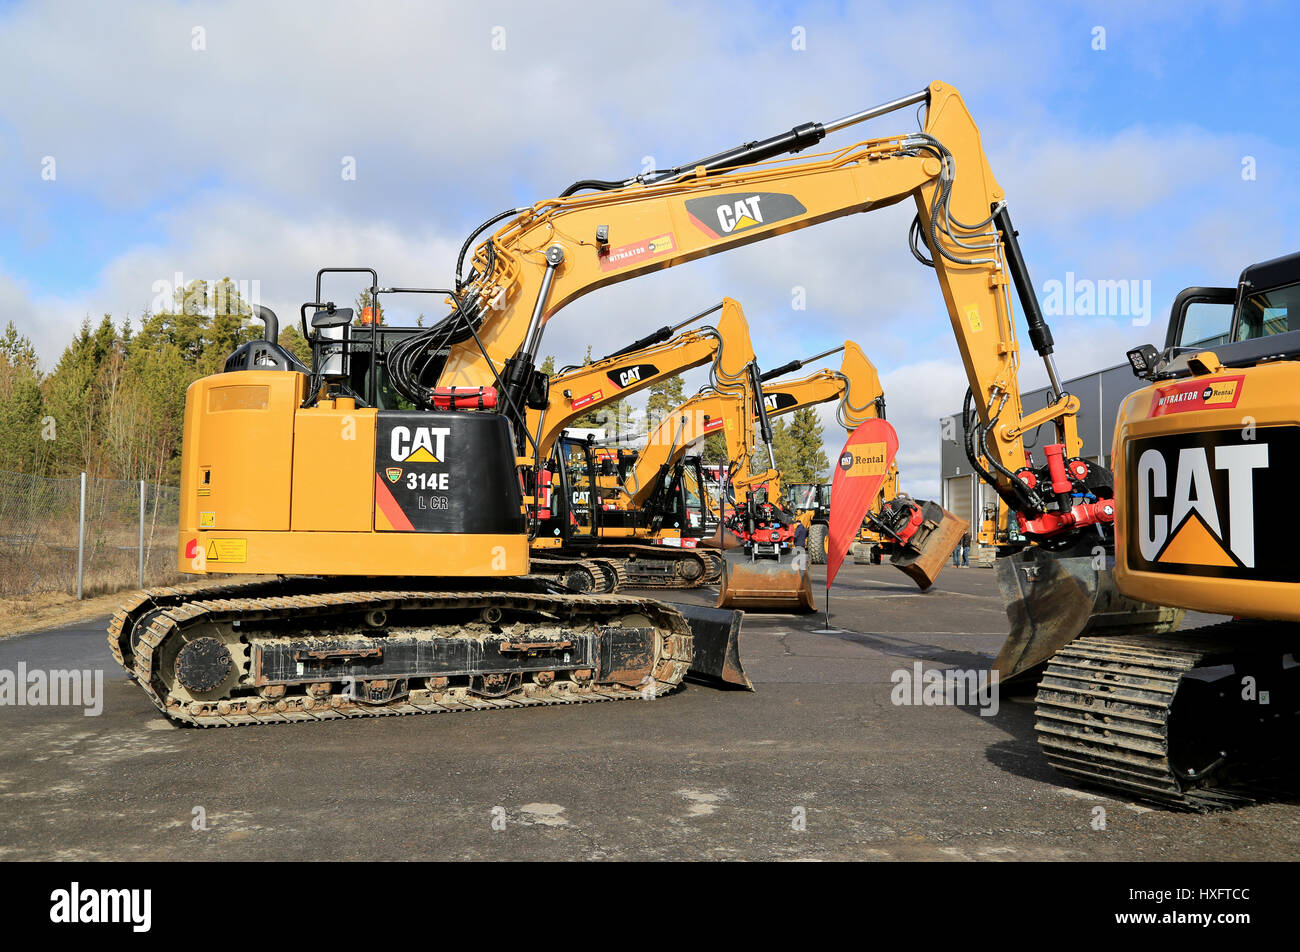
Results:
[1205, 393]
[1214, 504]
[434, 473]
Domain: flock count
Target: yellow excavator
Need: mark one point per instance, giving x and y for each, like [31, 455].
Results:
[385, 492]
[1203, 454]
[577, 531]
[919, 536]
[651, 480]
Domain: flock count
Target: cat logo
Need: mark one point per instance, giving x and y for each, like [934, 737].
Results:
[722, 215]
[421, 444]
[1205, 515]
[629, 375]
[776, 402]
[865, 459]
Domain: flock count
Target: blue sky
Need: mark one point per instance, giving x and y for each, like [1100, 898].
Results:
[1122, 163]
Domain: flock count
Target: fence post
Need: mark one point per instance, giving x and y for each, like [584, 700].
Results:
[142, 533]
[81, 536]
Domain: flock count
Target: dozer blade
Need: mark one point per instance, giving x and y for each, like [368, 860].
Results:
[774, 586]
[924, 566]
[717, 646]
[1053, 598]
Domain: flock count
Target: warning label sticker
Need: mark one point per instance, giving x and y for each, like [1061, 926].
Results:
[226, 550]
[207, 520]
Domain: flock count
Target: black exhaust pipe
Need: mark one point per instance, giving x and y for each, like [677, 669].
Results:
[267, 317]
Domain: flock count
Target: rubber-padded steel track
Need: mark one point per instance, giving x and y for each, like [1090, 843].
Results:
[149, 630]
[601, 576]
[1103, 709]
[690, 568]
[717, 565]
[638, 566]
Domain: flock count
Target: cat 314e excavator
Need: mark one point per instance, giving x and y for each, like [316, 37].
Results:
[386, 490]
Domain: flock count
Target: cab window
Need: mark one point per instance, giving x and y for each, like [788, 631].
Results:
[1268, 313]
[1206, 324]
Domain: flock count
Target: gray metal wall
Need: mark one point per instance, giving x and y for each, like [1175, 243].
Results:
[1100, 395]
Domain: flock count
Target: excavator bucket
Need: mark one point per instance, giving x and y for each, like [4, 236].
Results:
[766, 585]
[717, 646]
[1052, 598]
[724, 540]
[944, 532]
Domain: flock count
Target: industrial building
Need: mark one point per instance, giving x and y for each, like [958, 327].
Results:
[1100, 395]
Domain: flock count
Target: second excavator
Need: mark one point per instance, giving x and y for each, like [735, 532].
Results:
[918, 535]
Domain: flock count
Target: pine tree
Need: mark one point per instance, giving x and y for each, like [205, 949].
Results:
[291, 339]
[664, 396]
[75, 398]
[21, 405]
[800, 455]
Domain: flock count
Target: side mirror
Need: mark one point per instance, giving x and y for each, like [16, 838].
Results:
[332, 317]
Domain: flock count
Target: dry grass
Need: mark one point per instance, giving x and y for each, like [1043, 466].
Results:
[19, 615]
[40, 612]
[42, 566]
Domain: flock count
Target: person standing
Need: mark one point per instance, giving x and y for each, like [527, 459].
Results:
[961, 554]
[800, 540]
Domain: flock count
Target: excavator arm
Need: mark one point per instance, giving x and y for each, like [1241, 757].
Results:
[551, 253]
[574, 392]
[856, 385]
[729, 415]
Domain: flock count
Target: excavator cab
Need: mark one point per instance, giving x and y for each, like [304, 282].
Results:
[811, 505]
[574, 510]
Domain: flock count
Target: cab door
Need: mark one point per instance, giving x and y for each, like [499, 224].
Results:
[578, 478]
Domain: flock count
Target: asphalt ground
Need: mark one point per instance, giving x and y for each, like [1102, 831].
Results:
[819, 763]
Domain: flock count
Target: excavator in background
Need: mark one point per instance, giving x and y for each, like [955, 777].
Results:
[595, 509]
[1204, 456]
[871, 545]
[403, 524]
[918, 535]
[856, 386]
[577, 534]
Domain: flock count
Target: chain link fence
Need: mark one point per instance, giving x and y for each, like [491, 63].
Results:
[125, 535]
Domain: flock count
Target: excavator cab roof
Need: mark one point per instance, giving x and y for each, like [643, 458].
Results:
[1255, 321]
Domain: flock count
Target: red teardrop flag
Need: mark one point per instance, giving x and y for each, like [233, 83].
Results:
[859, 473]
